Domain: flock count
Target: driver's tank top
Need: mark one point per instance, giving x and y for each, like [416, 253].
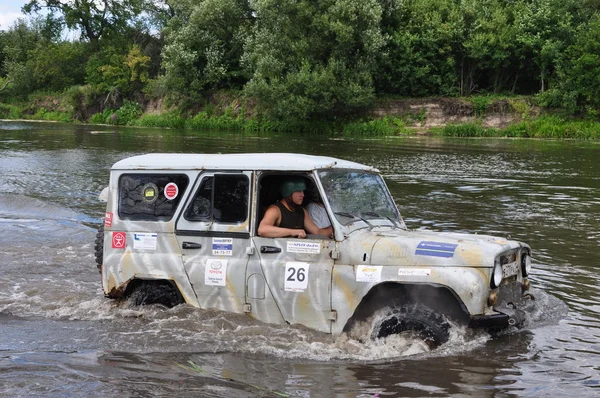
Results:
[291, 219]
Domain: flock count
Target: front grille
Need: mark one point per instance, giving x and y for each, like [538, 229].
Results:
[510, 257]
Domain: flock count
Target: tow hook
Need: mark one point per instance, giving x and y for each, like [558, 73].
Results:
[516, 316]
[529, 296]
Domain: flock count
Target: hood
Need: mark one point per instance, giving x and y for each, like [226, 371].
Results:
[425, 248]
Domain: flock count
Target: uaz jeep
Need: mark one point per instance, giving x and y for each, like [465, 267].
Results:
[182, 228]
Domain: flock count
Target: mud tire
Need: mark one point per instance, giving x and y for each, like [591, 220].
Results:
[99, 246]
[428, 325]
[154, 292]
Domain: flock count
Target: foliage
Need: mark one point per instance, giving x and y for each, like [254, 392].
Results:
[8, 111]
[306, 65]
[56, 66]
[311, 60]
[93, 19]
[104, 117]
[164, 120]
[43, 114]
[204, 45]
[466, 130]
[577, 85]
[110, 70]
[417, 59]
[377, 127]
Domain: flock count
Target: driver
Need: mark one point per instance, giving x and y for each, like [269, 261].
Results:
[287, 217]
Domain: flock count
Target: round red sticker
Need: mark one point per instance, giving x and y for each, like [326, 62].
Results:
[171, 191]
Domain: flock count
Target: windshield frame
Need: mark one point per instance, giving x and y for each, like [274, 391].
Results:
[359, 219]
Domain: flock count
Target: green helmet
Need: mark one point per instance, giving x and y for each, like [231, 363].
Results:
[291, 185]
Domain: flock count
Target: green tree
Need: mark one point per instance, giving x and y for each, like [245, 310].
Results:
[204, 45]
[93, 18]
[119, 74]
[56, 66]
[312, 59]
[18, 41]
[418, 58]
[577, 83]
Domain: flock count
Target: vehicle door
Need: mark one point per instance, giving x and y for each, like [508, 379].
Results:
[297, 271]
[213, 233]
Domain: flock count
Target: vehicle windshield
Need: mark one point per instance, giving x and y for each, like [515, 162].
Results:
[358, 195]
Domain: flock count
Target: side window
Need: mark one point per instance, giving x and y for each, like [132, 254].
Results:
[143, 197]
[221, 198]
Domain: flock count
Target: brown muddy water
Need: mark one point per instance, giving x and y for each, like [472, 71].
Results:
[60, 337]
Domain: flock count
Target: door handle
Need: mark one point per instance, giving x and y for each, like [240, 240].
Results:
[191, 245]
[270, 249]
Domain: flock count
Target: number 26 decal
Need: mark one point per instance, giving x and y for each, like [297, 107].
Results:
[296, 276]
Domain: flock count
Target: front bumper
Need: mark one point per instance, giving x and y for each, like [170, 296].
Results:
[512, 298]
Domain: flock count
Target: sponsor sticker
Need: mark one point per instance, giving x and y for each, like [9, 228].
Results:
[296, 276]
[118, 240]
[171, 191]
[222, 246]
[414, 272]
[436, 249]
[215, 272]
[368, 273]
[108, 218]
[144, 241]
[150, 192]
[303, 247]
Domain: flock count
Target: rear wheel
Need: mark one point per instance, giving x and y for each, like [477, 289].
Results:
[414, 320]
[99, 246]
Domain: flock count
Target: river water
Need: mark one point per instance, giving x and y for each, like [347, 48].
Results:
[60, 337]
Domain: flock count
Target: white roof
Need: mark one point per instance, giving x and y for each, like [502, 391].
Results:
[241, 161]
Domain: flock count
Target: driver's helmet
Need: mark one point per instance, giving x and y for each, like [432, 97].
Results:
[291, 185]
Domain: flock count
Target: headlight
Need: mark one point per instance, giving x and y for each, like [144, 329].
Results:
[496, 275]
[525, 264]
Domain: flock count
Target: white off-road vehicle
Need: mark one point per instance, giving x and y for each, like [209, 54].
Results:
[182, 228]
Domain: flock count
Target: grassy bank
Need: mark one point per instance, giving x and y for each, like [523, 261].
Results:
[232, 117]
[549, 126]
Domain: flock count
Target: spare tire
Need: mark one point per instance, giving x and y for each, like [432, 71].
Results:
[420, 321]
[99, 246]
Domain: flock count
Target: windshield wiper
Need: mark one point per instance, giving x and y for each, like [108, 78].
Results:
[350, 215]
[373, 214]
[345, 214]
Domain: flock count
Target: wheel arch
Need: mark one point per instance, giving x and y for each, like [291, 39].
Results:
[438, 298]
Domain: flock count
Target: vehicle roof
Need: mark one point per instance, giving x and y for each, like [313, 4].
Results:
[239, 161]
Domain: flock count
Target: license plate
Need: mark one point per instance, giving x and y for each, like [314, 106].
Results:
[510, 269]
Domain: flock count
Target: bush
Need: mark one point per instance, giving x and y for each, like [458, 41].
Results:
[164, 120]
[127, 113]
[376, 127]
[10, 112]
[467, 130]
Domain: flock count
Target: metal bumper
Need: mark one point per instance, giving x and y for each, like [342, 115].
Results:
[509, 310]
[504, 318]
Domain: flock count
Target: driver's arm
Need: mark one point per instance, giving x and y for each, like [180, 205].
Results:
[268, 226]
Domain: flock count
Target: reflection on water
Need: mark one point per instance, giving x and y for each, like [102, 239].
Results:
[61, 337]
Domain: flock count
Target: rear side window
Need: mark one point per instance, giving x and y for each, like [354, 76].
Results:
[222, 198]
[143, 196]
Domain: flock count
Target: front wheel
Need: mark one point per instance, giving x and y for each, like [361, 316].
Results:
[414, 320]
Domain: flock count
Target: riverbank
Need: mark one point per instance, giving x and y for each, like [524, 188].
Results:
[481, 116]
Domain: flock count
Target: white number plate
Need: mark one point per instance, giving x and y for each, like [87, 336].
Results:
[510, 269]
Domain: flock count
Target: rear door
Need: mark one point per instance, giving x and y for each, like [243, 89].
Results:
[213, 233]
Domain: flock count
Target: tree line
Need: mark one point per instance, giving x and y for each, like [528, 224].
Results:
[305, 59]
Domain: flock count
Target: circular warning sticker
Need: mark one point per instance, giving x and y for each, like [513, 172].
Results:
[171, 191]
[150, 192]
